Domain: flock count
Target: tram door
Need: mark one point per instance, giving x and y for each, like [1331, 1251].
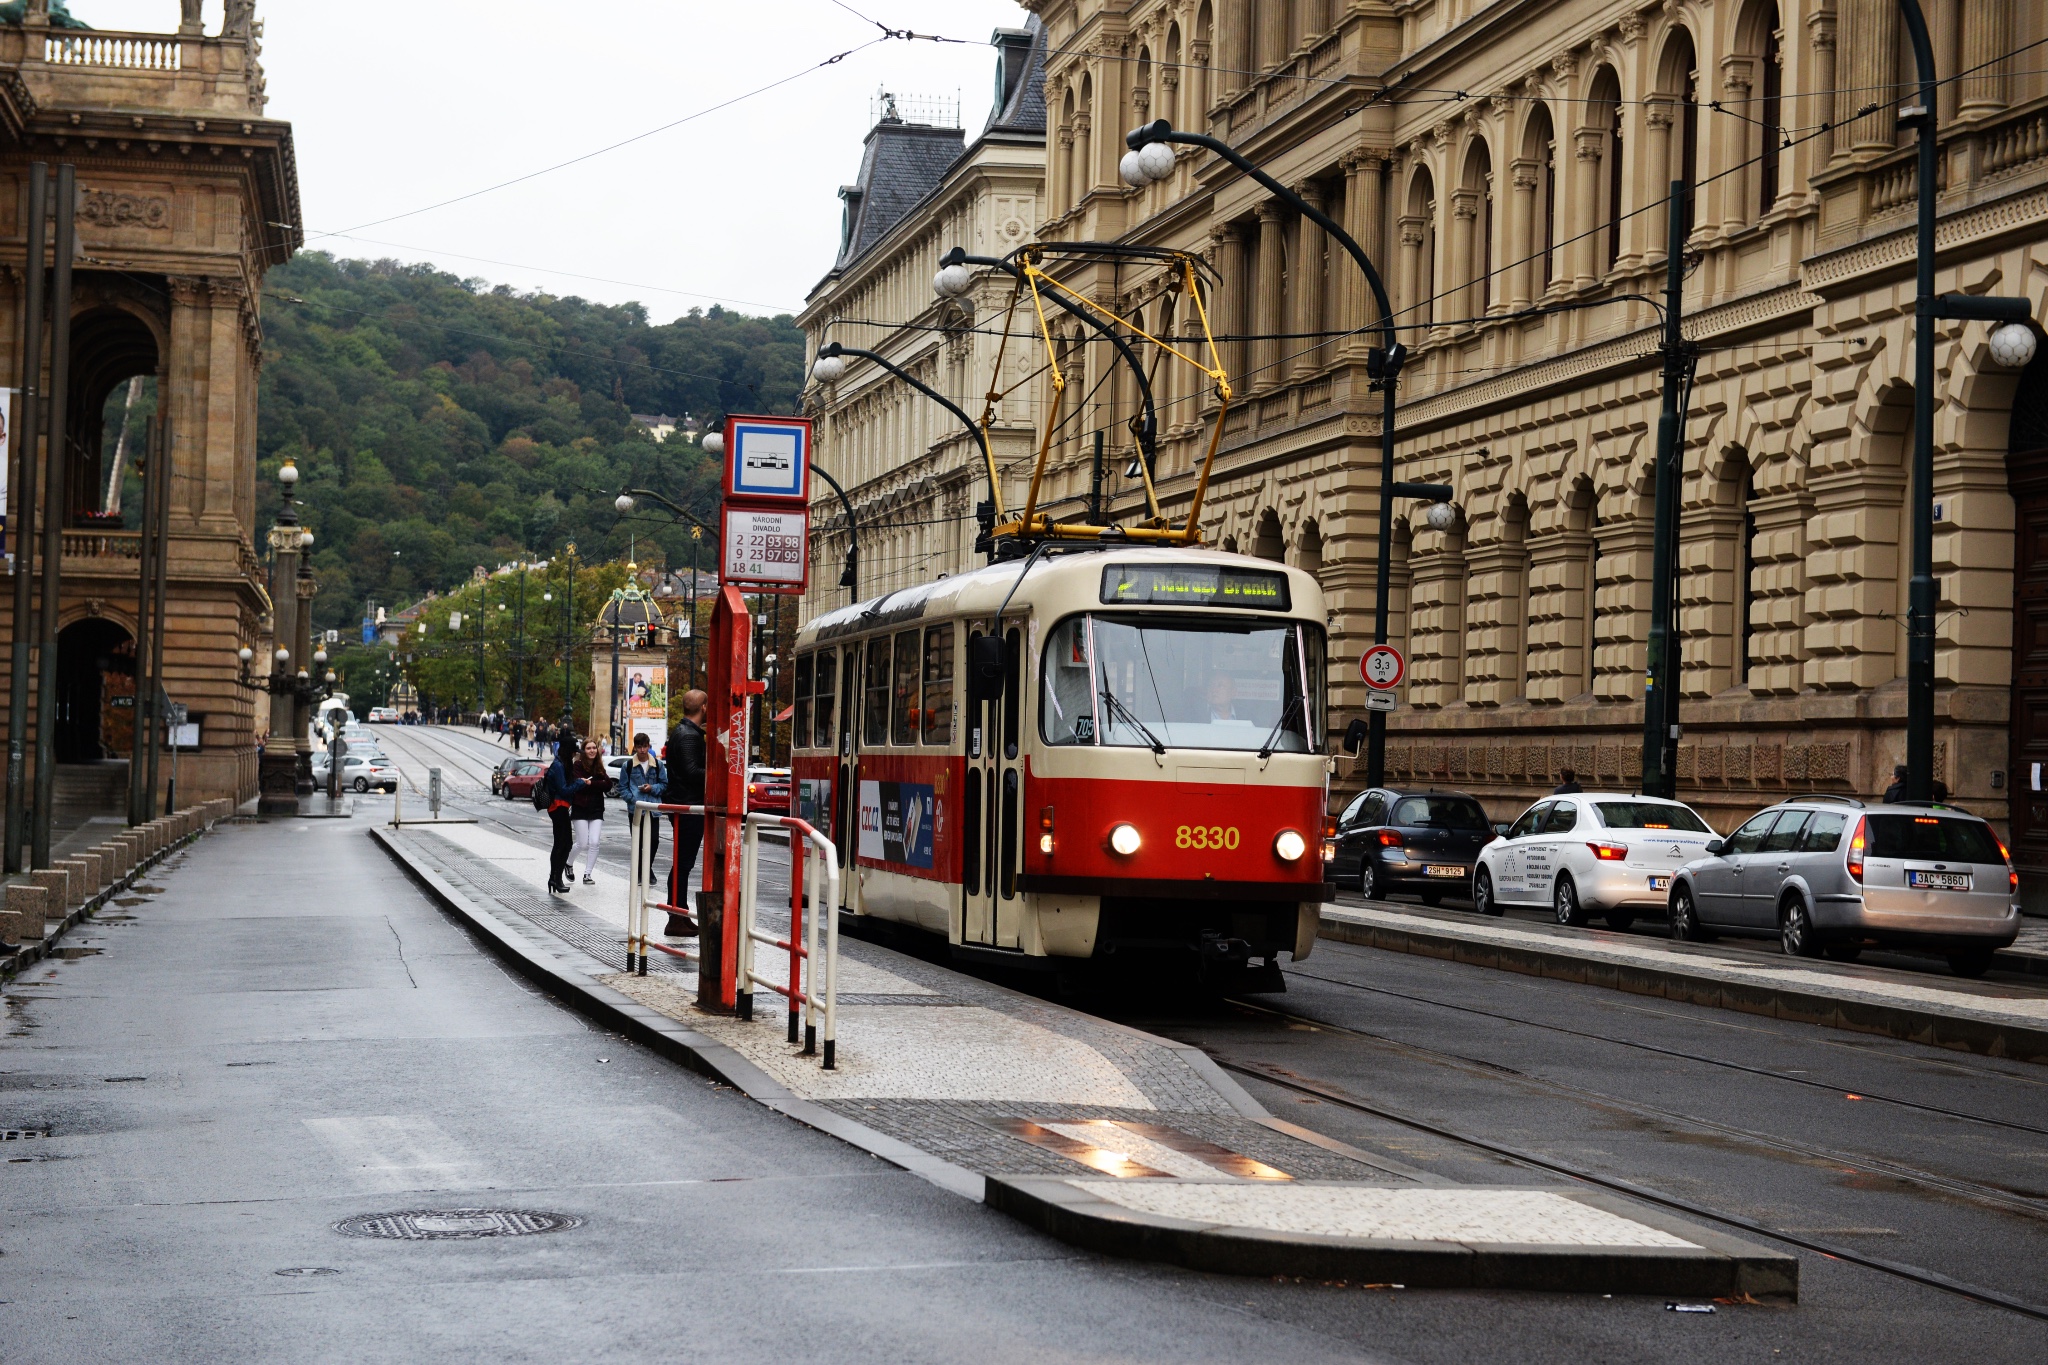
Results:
[991, 806]
[845, 793]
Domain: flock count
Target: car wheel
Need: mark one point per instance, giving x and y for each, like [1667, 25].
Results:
[1368, 880]
[1566, 900]
[1843, 951]
[1685, 918]
[1482, 894]
[1619, 922]
[362, 784]
[1971, 962]
[1795, 930]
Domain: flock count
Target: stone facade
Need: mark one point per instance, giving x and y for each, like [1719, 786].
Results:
[911, 470]
[188, 194]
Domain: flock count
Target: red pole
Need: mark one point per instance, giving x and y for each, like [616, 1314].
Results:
[725, 792]
[796, 927]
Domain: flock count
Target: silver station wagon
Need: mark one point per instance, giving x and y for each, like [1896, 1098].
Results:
[1828, 875]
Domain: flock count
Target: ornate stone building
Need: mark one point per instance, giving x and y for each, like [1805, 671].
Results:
[187, 195]
[911, 469]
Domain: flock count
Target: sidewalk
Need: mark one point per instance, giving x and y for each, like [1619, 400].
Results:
[1994, 1018]
[1099, 1134]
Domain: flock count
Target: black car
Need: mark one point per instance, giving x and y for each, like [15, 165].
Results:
[1424, 842]
[503, 771]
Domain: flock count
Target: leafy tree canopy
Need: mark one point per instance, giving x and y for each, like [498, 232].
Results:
[440, 423]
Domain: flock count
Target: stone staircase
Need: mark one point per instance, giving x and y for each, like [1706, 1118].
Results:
[88, 789]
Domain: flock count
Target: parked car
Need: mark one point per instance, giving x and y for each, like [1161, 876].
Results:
[383, 715]
[524, 775]
[1827, 875]
[1591, 853]
[359, 773]
[505, 767]
[768, 790]
[1422, 842]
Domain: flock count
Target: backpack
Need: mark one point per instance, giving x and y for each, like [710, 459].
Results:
[541, 799]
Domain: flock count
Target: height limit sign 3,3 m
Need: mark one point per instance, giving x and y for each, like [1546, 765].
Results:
[1382, 667]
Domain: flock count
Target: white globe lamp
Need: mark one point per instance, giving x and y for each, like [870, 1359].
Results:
[714, 443]
[2013, 345]
[1155, 160]
[1442, 516]
[952, 281]
[829, 368]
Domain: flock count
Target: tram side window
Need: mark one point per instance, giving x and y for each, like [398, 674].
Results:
[800, 729]
[874, 724]
[903, 699]
[938, 684]
[826, 670]
[1068, 712]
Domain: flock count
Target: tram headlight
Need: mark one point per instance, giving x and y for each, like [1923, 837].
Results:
[1123, 840]
[1289, 844]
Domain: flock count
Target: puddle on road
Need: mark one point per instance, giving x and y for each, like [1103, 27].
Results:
[73, 954]
[131, 900]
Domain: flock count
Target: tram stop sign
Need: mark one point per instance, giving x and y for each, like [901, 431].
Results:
[1383, 668]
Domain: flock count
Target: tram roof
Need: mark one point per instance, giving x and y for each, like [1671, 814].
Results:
[981, 591]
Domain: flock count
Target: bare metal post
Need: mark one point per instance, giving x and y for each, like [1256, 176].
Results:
[56, 494]
[26, 421]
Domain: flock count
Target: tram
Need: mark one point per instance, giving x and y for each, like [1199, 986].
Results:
[1100, 754]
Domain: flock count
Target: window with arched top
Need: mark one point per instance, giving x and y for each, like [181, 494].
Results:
[1604, 114]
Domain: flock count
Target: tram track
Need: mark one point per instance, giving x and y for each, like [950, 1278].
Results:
[1681, 1055]
[1934, 1279]
[2013, 1201]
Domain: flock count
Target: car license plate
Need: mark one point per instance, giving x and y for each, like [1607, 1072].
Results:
[1441, 870]
[1938, 881]
[1660, 883]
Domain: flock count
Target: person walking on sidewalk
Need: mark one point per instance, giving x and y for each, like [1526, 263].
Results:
[562, 787]
[645, 779]
[685, 763]
[586, 808]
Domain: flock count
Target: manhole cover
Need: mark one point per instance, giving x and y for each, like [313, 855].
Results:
[307, 1270]
[22, 1134]
[414, 1225]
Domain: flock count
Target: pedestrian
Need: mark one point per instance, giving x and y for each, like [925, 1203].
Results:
[562, 787]
[684, 759]
[586, 807]
[1896, 792]
[1568, 786]
[645, 779]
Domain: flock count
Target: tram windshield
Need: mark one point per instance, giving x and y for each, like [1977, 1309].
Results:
[1158, 681]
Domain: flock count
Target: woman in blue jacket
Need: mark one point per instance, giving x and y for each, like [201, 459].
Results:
[645, 779]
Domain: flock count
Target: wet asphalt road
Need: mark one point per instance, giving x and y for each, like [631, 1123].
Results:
[287, 1034]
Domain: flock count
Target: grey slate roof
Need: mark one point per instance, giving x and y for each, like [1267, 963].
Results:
[904, 163]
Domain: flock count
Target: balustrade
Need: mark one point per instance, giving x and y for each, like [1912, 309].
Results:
[127, 51]
[103, 545]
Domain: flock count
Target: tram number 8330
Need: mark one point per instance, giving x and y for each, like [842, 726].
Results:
[1205, 836]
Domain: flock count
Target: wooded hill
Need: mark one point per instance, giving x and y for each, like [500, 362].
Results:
[439, 423]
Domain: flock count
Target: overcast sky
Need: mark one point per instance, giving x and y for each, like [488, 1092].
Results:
[396, 107]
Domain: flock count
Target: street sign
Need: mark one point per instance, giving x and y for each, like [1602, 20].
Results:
[768, 460]
[764, 549]
[1383, 668]
[1380, 701]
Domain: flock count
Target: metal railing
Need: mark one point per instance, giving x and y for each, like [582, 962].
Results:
[812, 989]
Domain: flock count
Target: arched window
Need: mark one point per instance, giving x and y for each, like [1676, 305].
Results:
[1171, 80]
[1604, 114]
[1746, 589]
[1678, 111]
[1203, 90]
[1764, 39]
[1418, 249]
[1141, 90]
[1474, 245]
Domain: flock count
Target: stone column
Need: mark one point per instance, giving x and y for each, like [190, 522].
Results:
[1275, 41]
[1735, 196]
[1235, 41]
[1268, 314]
[1871, 54]
[1653, 227]
[1201, 89]
[1463, 284]
[1820, 34]
[1305, 283]
[1413, 286]
[1365, 200]
[1524, 211]
[1232, 311]
[1588, 144]
[1987, 34]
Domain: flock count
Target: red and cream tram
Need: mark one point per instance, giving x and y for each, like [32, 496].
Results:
[1117, 756]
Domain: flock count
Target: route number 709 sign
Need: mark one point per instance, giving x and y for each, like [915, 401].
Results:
[766, 551]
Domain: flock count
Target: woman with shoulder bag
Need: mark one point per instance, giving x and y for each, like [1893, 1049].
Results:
[562, 786]
[586, 807]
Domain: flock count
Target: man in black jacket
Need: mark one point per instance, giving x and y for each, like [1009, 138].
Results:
[684, 758]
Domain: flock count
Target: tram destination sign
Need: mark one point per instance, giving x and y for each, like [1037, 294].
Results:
[1196, 585]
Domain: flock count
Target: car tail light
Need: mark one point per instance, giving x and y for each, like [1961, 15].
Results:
[1045, 831]
[1857, 844]
[1609, 853]
[1390, 838]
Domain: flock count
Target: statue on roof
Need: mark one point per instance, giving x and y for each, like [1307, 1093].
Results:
[15, 11]
[238, 19]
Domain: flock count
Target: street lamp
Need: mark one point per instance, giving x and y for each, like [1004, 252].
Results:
[1383, 365]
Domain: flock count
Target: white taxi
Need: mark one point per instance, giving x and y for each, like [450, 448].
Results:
[1588, 853]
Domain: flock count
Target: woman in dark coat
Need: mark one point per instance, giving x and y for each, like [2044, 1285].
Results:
[563, 786]
[586, 807]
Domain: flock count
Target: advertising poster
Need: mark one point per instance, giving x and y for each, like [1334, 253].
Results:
[814, 802]
[6, 462]
[896, 822]
[647, 693]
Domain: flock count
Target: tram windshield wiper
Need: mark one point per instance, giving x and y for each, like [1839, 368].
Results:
[1117, 708]
[1266, 749]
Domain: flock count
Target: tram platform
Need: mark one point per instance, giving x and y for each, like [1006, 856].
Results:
[1101, 1135]
[1995, 1018]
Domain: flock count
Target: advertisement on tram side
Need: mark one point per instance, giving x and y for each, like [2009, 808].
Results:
[896, 822]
